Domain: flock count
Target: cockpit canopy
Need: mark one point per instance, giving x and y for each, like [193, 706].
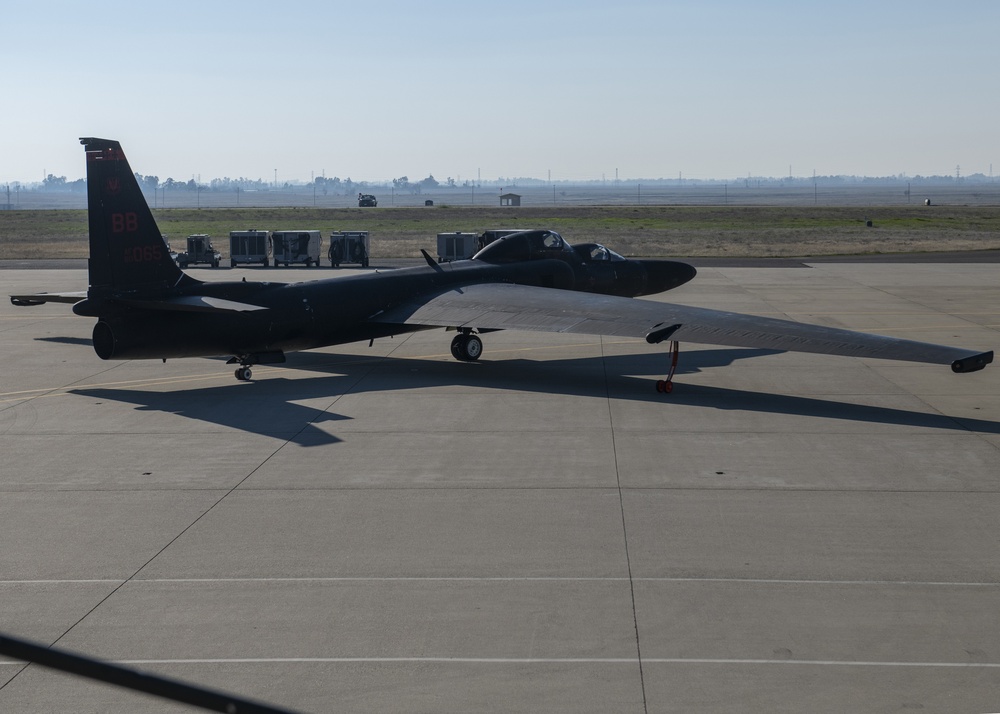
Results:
[596, 253]
[526, 245]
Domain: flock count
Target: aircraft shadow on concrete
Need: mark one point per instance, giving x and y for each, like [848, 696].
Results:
[268, 406]
[78, 341]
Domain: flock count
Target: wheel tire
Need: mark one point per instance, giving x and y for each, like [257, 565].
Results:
[473, 348]
[245, 374]
[458, 348]
[466, 348]
[336, 255]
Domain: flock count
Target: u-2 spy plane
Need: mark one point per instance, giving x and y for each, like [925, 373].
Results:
[148, 308]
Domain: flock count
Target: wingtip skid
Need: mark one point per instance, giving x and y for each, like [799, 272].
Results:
[973, 363]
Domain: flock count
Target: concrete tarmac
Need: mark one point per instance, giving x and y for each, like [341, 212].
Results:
[384, 529]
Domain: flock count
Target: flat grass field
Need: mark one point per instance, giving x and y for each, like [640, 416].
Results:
[647, 231]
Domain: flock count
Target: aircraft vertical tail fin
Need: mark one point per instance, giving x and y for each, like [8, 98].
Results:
[127, 250]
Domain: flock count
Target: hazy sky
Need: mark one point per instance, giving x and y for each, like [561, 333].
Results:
[577, 90]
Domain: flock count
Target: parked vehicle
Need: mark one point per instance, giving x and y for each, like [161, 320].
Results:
[249, 247]
[349, 247]
[456, 246]
[296, 247]
[199, 251]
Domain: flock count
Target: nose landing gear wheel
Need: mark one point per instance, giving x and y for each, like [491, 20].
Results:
[466, 347]
[244, 374]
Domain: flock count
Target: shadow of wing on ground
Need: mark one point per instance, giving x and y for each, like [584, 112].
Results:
[582, 377]
[627, 379]
[762, 403]
[268, 407]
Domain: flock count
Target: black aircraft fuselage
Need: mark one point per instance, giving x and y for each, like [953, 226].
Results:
[307, 315]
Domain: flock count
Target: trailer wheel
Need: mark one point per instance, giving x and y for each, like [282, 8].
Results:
[336, 254]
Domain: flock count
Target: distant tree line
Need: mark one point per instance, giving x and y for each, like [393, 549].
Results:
[404, 185]
[59, 183]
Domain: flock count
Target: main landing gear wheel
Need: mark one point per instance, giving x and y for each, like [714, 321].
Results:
[666, 386]
[244, 373]
[466, 347]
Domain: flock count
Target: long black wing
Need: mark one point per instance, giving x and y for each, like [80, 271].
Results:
[519, 307]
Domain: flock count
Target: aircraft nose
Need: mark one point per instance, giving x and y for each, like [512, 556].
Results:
[662, 275]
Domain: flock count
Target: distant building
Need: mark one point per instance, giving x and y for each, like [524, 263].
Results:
[510, 199]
